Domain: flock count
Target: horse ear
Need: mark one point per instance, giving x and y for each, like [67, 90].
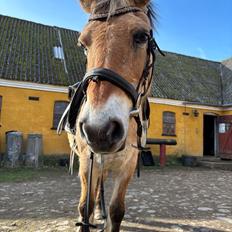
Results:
[141, 3]
[87, 5]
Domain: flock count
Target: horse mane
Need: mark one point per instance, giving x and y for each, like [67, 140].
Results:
[111, 6]
[151, 13]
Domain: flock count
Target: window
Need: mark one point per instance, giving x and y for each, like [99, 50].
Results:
[59, 108]
[224, 127]
[58, 52]
[169, 123]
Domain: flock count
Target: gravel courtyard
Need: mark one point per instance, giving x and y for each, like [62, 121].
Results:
[169, 200]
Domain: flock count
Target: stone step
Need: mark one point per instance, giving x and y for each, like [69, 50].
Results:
[220, 164]
[210, 158]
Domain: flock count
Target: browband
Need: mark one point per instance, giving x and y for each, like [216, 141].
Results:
[120, 11]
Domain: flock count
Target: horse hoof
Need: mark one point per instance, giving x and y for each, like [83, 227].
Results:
[97, 214]
[78, 230]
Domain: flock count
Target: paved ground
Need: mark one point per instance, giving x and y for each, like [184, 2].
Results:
[172, 200]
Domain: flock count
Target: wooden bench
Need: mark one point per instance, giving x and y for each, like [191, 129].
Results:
[162, 143]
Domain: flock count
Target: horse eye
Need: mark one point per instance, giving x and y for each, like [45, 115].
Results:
[84, 47]
[85, 51]
[140, 37]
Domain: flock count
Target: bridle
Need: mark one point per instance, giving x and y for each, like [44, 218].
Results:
[77, 92]
[140, 107]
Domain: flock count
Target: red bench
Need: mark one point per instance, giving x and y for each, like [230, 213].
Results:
[162, 143]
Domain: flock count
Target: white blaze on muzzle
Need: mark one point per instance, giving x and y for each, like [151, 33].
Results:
[106, 123]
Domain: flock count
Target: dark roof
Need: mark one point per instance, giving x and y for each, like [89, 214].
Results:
[227, 81]
[187, 78]
[26, 54]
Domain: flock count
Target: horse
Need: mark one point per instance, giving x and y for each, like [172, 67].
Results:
[108, 113]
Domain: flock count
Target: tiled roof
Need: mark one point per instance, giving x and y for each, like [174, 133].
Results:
[187, 78]
[26, 54]
[227, 81]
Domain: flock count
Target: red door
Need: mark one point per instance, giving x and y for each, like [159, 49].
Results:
[225, 136]
[0, 125]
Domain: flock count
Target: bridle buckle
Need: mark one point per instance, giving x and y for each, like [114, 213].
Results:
[134, 112]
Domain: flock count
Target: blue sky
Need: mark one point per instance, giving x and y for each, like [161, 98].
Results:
[201, 28]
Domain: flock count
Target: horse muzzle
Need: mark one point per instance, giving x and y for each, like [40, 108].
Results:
[103, 139]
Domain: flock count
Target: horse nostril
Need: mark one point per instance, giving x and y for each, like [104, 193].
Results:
[87, 132]
[81, 129]
[102, 138]
[115, 131]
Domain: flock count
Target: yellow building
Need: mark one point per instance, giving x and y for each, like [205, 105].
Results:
[37, 63]
[191, 98]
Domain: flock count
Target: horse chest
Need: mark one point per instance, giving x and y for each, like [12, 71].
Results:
[110, 162]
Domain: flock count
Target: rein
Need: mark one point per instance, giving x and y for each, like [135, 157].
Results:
[140, 110]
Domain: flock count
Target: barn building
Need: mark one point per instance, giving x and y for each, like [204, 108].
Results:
[191, 98]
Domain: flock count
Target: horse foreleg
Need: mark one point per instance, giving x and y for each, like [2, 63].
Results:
[84, 188]
[117, 203]
[98, 211]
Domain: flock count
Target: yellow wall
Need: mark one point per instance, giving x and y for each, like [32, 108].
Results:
[189, 129]
[19, 113]
[228, 112]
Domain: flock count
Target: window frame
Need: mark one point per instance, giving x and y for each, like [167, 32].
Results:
[57, 116]
[165, 123]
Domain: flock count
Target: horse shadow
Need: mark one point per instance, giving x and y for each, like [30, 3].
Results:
[165, 227]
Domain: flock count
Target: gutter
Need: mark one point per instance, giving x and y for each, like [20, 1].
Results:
[227, 105]
[207, 104]
[199, 103]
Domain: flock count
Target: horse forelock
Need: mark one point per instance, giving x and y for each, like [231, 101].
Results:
[110, 7]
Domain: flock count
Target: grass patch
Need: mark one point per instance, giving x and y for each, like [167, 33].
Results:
[174, 161]
[171, 161]
[28, 174]
[50, 166]
[58, 161]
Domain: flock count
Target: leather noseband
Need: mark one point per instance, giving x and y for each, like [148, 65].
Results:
[100, 74]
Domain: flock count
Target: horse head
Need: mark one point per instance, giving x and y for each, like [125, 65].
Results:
[116, 40]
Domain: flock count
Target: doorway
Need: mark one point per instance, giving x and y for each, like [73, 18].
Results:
[209, 135]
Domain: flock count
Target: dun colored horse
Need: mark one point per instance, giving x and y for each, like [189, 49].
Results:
[108, 114]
